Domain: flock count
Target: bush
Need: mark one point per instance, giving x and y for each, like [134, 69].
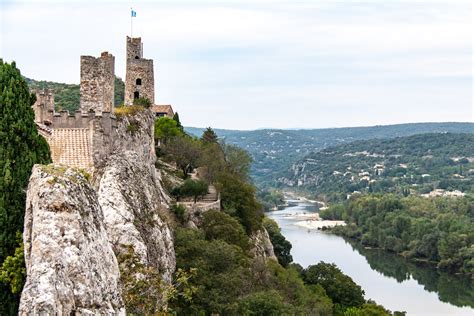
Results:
[218, 225]
[194, 188]
[281, 246]
[142, 102]
[126, 111]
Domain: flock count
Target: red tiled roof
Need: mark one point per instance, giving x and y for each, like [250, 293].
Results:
[163, 108]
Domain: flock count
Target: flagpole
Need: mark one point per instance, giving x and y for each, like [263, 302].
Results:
[131, 22]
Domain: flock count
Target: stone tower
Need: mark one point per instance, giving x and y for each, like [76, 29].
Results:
[97, 83]
[44, 106]
[139, 77]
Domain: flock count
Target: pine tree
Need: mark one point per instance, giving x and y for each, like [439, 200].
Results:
[209, 136]
[178, 122]
[20, 148]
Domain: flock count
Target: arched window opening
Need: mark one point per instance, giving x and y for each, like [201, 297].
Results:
[136, 57]
[136, 95]
[139, 82]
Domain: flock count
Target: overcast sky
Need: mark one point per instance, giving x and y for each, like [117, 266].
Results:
[254, 64]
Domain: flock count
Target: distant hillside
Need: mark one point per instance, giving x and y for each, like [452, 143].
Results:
[408, 165]
[66, 96]
[276, 150]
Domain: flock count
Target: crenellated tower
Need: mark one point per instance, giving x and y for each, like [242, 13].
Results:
[97, 83]
[44, 106]
[139, 77]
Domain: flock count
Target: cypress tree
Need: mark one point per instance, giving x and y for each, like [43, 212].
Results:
[20, 148]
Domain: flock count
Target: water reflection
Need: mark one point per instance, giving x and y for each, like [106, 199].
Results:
[454, 289]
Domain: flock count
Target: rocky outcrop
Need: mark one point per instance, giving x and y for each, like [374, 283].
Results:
[262, 245]
[134, 203]
[70, 263]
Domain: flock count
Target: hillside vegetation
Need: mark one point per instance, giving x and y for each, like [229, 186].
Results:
[274, 150]
[440, 230]
[416, 164]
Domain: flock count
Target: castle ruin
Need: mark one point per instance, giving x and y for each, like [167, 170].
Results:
[139, 77]
[85, 138]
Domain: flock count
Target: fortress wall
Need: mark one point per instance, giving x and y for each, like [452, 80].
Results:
[44, 106]
[97, 83]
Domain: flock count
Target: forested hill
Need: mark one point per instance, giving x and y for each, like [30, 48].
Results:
[66, 96]
[415, 164]
[276, 150]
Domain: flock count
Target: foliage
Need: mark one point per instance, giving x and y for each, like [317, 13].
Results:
[167, 129]
[209, 136]
[142, 102]
[275, 151]
[238, 161]
[144, 291]
[179, 211]
[218, 225]
[194, 188]
[127, 111]
[270, 199]
[67, 96]
[238, 199]
[20, 148]
[178, 122]
[281, 246]
[184, 151]
[133, 127]
[437, 229]
[230, 282]
[13, 271]
[339, 287]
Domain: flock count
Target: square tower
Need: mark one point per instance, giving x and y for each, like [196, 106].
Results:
[44, 106]
[97, 83]
[139, 77]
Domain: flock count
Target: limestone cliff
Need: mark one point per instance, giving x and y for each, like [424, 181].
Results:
[262, 245]
[70, 264]
[74, 230]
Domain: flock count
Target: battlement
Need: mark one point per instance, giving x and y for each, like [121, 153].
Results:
[83, 120]
[97, 83]
[134, 48]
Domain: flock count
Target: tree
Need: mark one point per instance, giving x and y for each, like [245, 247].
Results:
[238, 161]
[339, 287]
[20, 148]
[219, 225]
[194, 188]
[185, 151]
[166, 129]
[209, 136]
[178, 122]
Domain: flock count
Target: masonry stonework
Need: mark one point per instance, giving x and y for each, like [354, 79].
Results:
[97, 83]
[44, 106]
[139, 77]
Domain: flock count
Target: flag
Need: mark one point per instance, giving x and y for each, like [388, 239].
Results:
[134, 14]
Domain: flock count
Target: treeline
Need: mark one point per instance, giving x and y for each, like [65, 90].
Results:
[67, 96]
[225, 277]
[439, 230]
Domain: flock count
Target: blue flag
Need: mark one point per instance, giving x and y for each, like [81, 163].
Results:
[134, 14]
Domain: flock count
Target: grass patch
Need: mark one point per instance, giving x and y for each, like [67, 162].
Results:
[126, 111]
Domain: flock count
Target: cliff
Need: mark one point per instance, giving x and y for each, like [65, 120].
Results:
[70, 264]
[75, 230]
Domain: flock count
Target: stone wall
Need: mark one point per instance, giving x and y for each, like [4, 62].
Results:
[83, 140]
[97, 83]
[139, 78]
[44, 106]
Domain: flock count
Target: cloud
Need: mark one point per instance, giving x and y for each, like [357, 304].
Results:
[249, 62]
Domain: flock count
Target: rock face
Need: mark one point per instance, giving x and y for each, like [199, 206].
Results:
[262, 245]
[70, 264]
[132, 200]
[74, 231]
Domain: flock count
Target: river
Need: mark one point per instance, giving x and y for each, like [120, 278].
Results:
[386, 278]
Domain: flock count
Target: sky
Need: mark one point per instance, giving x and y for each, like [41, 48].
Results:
[266, 64]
